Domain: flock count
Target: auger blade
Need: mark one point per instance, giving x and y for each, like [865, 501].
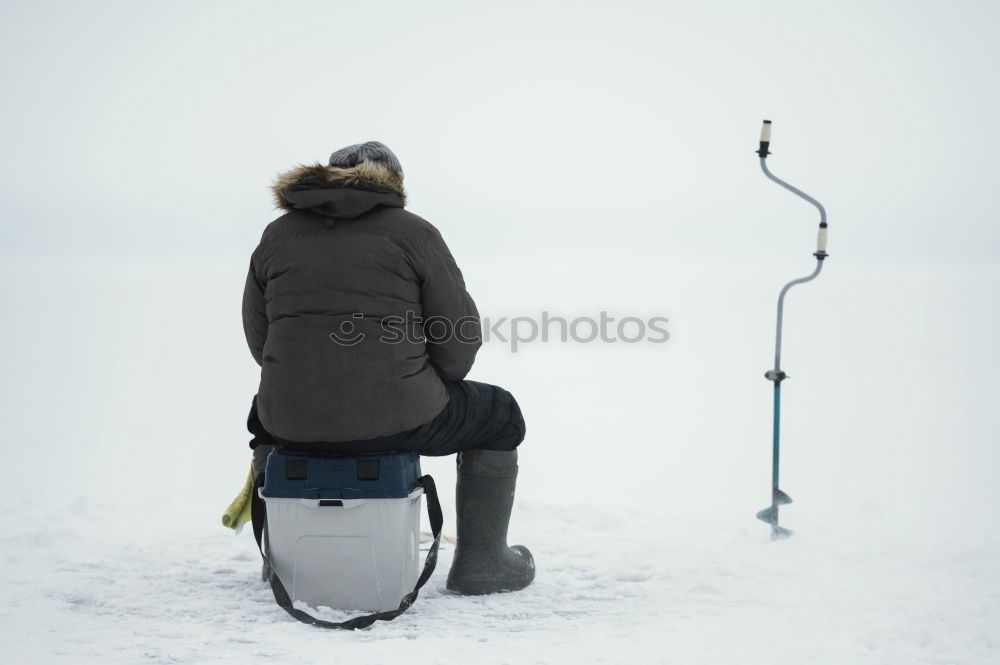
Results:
[769, 515]
[780, 532]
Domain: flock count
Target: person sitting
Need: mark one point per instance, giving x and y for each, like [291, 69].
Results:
[360, 320]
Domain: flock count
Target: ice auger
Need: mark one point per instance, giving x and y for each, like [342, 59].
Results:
[777, 375]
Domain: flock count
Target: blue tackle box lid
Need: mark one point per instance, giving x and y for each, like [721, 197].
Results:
[377, 476]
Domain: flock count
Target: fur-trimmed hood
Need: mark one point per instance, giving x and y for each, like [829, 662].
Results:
[339, 192]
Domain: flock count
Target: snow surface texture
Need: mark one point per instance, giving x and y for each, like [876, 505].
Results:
[609, 583]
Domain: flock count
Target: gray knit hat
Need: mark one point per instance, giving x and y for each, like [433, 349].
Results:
[369, 151]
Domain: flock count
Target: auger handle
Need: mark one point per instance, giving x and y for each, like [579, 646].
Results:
[765, 139]
[763, 152]
[821, 241]
[776, 374]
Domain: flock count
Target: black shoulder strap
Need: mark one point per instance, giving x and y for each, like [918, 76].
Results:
[258, 513]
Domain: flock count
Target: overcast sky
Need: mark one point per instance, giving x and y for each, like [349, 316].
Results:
[585, 128]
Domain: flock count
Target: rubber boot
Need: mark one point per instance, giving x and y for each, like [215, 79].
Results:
[484, 497]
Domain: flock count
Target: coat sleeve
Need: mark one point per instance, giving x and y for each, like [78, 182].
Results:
[254, 311]
[451, 320]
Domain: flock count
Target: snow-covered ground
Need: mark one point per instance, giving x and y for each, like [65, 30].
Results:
[640, 476]
[96, 583]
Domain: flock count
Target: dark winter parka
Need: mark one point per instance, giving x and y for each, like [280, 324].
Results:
[335, 303]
